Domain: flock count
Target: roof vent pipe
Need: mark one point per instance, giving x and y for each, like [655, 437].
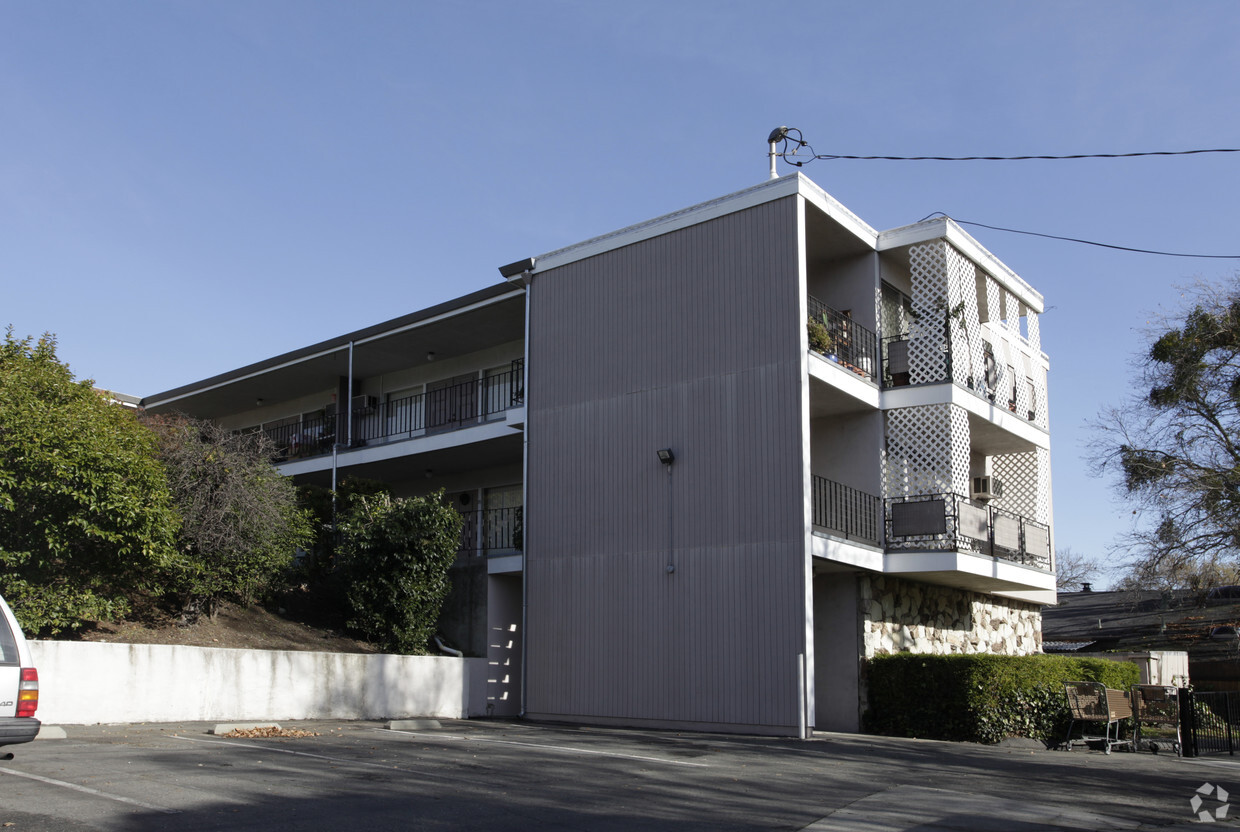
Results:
[777, 135]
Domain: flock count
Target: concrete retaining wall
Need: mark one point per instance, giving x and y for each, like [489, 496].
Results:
[82, 683]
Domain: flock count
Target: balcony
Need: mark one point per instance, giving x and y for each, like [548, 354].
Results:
[1017, 392]
[839, 338]
[949, 522]
[492, 532]
[846, 512]
[438, 410]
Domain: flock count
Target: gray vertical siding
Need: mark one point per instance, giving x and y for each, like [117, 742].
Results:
[691, 341]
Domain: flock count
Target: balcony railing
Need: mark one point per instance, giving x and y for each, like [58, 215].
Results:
[491, 532]
[987, 383]
[950, 522]
[846, 511]
[851, 345]
[447, 408]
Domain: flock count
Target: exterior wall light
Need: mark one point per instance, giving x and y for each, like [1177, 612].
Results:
[666, 456]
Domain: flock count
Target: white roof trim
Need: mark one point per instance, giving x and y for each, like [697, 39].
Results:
[945, 227]
[334, 349]
[791, 185]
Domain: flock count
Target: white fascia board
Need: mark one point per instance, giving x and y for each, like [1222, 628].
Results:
[945, 393]
[843, 379]
[398, 448]
[1044, 598]
[837, 211]
[995, 573]
[792, 185]
[505, 564]
[847, 552]
[301, 359]
[945, 227]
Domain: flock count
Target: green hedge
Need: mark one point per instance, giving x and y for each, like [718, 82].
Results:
[980, 698]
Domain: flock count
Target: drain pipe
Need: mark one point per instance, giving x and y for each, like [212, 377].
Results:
[443, 648]
[802, 726]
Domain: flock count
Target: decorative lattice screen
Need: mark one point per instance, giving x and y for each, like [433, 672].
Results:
[927, 356]
[1026, 479]
[927, 451]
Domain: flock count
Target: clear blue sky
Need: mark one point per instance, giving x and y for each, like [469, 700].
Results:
[186, 187]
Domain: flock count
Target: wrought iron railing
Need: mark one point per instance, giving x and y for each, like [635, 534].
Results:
[954, 523]
[447, 408]
[309, 437]
[987, 382]
[846, 511]
[852, 345]
[492, 531]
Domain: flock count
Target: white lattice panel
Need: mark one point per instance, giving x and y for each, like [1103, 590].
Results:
[1026, 479]
[966, 329]
[927, 451]
[1033, 324]
[928, 267]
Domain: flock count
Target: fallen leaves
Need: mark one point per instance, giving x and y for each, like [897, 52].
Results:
[269, 731]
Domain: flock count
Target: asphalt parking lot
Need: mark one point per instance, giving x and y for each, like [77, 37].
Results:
[491, 775]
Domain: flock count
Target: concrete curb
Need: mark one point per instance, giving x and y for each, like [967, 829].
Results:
[51, 732]
[413, 725]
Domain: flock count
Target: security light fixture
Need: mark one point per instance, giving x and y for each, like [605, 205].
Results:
[666, 456]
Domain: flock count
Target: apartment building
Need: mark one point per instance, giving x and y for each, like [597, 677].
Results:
[708, 463]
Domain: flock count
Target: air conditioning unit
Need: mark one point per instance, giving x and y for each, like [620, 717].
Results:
[363, 403]
[987, 488]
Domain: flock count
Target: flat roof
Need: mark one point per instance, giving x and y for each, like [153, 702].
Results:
[360, 336]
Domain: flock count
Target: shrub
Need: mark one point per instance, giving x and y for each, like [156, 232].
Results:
[394, 556]
[980, 698]
[819, 336]
[240, 523]
[86, 517]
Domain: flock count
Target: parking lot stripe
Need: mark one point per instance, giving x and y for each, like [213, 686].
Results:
[564, 748]
[338, 760]
[90, 791]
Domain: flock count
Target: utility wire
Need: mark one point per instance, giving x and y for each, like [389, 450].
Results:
[1084, 242]
[782, 134]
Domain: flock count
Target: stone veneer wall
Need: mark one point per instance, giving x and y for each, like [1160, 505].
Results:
[899, 615]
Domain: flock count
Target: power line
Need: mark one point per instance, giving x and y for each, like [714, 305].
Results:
[783, 134]
[1086, 242]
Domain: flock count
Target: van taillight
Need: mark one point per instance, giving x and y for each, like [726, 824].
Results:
[28, 692]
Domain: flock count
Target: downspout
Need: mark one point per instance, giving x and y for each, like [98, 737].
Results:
[443, 648]
[525, 496]
[522, 273]
[350, 396]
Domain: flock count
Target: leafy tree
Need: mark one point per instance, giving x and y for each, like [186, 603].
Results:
[395, 554]
[1176, 447]
[241, 523]
[85, 512]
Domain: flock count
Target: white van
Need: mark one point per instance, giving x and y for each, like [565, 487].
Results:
[19, 683]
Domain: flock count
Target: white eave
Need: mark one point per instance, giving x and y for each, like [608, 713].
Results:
[792, 185]
[946, 228]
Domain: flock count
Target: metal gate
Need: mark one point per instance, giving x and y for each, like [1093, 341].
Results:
[1209, 722]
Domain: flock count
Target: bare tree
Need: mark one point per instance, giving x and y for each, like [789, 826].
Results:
[1073, 569]
[1174, 449]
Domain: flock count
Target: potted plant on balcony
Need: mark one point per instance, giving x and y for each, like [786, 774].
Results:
[820, 338]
